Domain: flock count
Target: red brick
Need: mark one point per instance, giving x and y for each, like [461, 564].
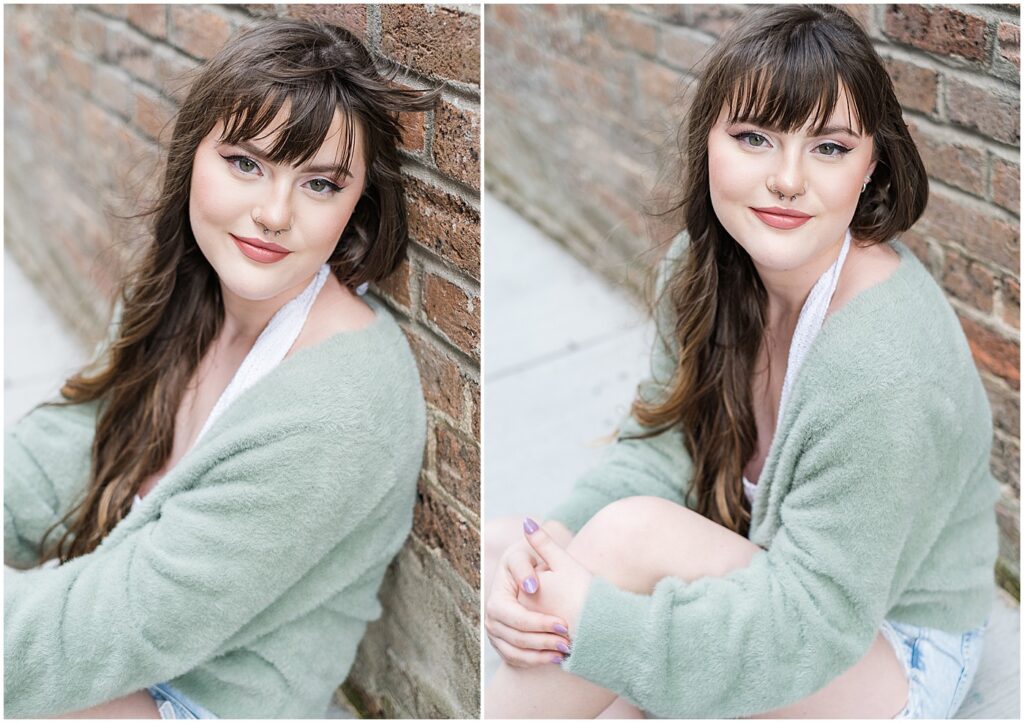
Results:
[454, 311]
[152, 114]
[116, 11]
[1006, 184]
[1005, 405]
[396, 287]
[457, 143]
[1006, 469]
[414, 128]
[968, 281]
[441, 377]
[77, 70]
[916, 87]
[940, 30]
[440, 527]
[661, 88]
[198, 31]
[984, 235]
[993, 112]
[1008, 36]
[150, 19]
[474, 402]
[631, 32]
[508, 15]
[127, 50]
[351, 17]
[90, 34]
[682, 48]
[445, 224]
[458, 465]
[993, 352]
[960, 164]
[113, 89]
[412, 35]
[1011, 301]
[716, 19]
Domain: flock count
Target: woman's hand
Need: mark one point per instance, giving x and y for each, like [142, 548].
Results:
[564, 582]
[522, 637]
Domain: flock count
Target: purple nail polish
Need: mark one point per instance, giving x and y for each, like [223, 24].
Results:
[563, 647]
[530, 585]
[557, 659]
[561, 629]
[530, 526]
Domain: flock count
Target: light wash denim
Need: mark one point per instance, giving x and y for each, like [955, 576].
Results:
[172, 704]
[940, 666]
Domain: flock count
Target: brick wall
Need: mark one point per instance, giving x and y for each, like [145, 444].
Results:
[89, 91]
[583, 102]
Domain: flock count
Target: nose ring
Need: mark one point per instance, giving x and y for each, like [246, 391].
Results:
[781, 195]
[266, 229]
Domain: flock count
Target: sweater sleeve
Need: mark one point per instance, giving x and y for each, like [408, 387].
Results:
[267, 505]
[657, 465]
[46, 467]
[808, 608]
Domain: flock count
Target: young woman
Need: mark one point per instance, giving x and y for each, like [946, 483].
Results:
[224, 490]
[797, 518]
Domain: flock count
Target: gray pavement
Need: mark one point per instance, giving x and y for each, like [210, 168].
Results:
[563, 353]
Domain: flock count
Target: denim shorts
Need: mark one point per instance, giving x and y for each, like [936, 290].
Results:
[940, 666]
[172, 704]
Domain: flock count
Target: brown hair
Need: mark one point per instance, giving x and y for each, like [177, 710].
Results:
[171, 304]
[778, 67]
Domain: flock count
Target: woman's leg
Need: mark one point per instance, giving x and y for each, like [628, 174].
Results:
[136, 705]
[669, 540]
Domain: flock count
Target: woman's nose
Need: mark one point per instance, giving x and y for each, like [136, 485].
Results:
[788, 177]
[275, 210]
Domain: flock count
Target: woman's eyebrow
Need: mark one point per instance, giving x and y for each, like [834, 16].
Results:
[258, 153]
[830, 130]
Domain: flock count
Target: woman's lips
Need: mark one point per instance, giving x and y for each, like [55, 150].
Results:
[264, 253]
[779, 220]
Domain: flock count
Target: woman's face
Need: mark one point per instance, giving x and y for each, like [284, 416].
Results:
[824, 173]
[239, 201]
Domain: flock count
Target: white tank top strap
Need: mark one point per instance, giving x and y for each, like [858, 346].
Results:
[269, 350]
[812, 317]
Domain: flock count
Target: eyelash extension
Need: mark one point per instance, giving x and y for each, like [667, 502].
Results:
[332, 187]
[840, 150]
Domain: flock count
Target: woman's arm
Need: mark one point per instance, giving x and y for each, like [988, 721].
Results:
[267, 505]
[46, 468]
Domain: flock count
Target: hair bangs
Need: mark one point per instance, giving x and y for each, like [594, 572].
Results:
[795, 83]
[311, 112]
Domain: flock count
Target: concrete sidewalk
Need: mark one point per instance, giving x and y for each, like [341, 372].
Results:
[564, 352]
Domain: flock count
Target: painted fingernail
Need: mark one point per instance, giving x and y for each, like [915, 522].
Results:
[557, 659]
[561, 629]
[563, 647]
[530, 526]
[530, 585]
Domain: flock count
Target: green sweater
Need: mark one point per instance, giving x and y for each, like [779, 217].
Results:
[246, 578]
[876, 501]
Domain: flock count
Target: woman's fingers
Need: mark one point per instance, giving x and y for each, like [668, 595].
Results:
[519, 658]
[505, 609]
[521, 567]
[545, 546]
[529, 641]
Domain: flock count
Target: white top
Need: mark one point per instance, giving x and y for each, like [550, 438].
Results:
[268, 351]
[812, 316]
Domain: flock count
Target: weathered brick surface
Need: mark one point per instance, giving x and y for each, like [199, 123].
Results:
[939, 30]
[88, 91]
[410, 34]
[454, 311]
[582, 118]
[457, 143]
[1006, 184]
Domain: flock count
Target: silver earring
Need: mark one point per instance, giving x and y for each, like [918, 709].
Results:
[865, 186]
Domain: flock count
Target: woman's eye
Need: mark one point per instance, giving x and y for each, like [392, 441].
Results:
[833, 149]
[323, 186]
[242, 163]
[755, 140]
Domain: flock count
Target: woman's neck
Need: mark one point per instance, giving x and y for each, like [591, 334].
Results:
[245, 319]
[788, 290]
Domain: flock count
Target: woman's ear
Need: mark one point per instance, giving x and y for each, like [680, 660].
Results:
[871, 169]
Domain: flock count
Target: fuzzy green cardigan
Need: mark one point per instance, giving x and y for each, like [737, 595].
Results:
[246, 578]
[876, 501]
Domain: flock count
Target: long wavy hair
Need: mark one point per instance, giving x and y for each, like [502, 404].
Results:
[778, 67]
[171, 306]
